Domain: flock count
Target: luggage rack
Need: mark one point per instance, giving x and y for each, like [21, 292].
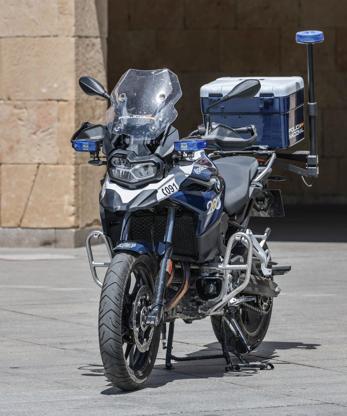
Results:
[283, 159]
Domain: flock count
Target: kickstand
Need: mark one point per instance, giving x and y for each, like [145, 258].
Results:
[168, 356]
[229, 364]
[243, 363]
[163, 336]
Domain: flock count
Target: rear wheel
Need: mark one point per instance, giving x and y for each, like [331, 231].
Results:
[253, 319]
[128, 346]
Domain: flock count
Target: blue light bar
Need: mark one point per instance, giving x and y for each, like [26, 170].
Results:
[84, 145]
[309, 36]
[190, 145]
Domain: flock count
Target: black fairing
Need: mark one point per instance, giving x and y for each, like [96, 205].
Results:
[162, 147]
[167, 144]
[112, 202]
[148, 227]
[89, 131]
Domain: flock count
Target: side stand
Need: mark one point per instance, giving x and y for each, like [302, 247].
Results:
[243, 363]
[169, 356]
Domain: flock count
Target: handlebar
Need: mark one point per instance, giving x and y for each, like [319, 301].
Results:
[226, 137]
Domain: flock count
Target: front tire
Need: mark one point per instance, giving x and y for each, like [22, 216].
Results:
[128, 347]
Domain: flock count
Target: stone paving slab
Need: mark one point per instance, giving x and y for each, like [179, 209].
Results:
[50, 363]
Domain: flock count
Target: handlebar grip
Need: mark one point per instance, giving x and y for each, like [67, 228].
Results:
[248, 129]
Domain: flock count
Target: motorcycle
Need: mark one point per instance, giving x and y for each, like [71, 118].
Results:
[175, 219]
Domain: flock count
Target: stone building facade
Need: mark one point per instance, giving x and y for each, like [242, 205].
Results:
[48, 192]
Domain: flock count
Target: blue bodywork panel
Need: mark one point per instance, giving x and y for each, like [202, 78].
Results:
[208, 205]
[133, 246]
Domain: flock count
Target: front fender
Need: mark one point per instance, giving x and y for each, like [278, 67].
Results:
[133, 247]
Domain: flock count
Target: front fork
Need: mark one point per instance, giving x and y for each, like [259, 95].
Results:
[156, 310]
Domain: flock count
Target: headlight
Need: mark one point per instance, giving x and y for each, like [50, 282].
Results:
[121, 169]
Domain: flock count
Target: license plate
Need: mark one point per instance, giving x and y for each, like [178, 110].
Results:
[168, 189]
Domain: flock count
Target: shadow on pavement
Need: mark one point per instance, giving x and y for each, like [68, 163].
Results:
[92, 370]
[306, 223]
[204, 368]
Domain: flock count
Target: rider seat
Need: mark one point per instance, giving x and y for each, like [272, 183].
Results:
[237, 172]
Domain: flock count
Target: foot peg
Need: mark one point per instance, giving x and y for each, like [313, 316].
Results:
[280, 270]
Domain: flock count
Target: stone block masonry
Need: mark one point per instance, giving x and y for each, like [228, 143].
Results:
[48, 194]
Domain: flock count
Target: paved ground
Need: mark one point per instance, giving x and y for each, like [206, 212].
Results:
[50, 364]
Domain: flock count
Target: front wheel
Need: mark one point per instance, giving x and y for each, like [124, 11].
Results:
[128, 346]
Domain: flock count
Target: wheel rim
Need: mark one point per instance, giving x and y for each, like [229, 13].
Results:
[252, 320]
[143, 333]
[136, 336]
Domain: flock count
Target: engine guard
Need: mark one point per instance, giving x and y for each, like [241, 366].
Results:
[97, 236]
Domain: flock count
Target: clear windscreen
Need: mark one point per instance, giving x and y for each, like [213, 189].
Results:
[142, 104]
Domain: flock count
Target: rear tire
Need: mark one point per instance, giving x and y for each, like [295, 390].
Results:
[254, 326]
[128, 353]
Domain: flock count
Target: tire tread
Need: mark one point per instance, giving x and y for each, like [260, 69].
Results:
[110, 321]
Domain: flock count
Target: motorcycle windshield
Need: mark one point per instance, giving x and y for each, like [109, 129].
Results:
[142, 104]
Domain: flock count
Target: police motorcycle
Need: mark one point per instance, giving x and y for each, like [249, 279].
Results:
[175, 213]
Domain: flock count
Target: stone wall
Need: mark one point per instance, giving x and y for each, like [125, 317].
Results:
[48, 193]
[204, 39]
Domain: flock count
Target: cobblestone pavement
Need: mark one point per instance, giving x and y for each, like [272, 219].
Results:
[50, 363]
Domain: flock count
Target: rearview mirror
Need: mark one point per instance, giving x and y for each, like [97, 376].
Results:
[245, 89]
[93, 87]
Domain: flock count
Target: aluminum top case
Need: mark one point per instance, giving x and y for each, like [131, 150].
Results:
[277, 110]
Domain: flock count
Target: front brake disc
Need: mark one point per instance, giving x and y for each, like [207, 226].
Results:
[143, 333]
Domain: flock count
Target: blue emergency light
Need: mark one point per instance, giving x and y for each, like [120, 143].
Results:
[190, 145]
[309, 36]
[85, 145]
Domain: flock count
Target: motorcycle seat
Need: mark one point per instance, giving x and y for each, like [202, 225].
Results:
[237, 172]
